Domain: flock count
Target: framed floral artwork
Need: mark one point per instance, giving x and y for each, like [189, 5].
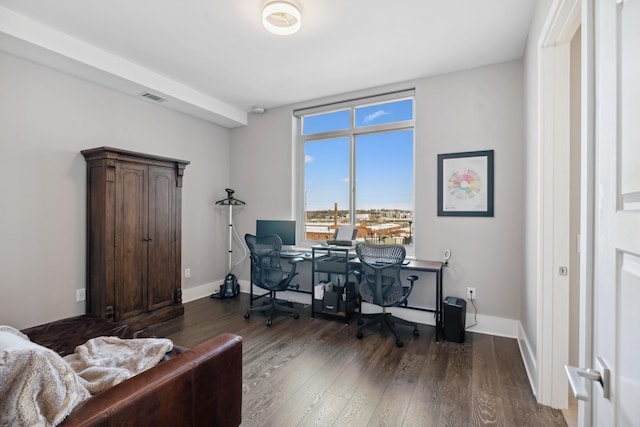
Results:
[465, 184]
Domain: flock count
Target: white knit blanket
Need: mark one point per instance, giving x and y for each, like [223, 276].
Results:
[40, 388]
[37, 387]
[104, 362]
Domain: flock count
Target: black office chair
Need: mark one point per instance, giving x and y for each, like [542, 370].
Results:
[267, 273]
[381, 285]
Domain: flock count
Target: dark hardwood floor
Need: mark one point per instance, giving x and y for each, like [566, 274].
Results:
[314, 372]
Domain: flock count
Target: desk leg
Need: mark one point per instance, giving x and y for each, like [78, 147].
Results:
[251, 287]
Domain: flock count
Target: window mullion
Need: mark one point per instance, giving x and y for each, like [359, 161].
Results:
[352, 181]
[409, 124]
[352, 170]
[326, 135]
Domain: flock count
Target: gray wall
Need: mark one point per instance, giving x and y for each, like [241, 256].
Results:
[477, 109]
[46, 118]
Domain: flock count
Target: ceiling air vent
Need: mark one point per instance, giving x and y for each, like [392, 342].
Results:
[152, 97]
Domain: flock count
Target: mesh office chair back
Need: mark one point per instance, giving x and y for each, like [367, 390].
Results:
[380, 267]
[266, 269]
[267, 273]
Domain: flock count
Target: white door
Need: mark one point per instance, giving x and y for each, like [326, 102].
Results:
[616, 298]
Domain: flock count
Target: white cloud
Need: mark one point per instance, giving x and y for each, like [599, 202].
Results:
[345, 180]
[371, 117]
[308, 159]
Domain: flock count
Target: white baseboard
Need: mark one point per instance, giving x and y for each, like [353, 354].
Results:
[492, 325]
[489, 325]
[201, 291]
[528, 358]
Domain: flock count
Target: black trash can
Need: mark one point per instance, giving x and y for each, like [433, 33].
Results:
[455, 312]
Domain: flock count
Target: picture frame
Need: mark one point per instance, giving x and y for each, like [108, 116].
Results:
[465, 184]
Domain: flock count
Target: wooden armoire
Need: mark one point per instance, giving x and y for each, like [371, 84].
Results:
[133, 236]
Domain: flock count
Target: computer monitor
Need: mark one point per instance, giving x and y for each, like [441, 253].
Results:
[285, 229]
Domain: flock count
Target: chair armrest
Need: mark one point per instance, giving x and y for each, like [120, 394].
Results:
[293, 262]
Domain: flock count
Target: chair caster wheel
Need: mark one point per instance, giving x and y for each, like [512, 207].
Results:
[269, 322]
[247, 315]
[399, 343]
[296, 316]
[416, 333]
[359, 335]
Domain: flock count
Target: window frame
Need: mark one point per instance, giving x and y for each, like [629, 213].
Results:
[352, 133]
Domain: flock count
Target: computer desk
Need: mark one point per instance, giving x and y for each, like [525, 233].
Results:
[430, 267]
[418, 266]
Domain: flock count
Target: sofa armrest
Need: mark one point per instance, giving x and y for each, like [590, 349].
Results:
[200, 387]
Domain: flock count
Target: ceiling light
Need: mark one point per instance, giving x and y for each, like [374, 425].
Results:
[281, 17]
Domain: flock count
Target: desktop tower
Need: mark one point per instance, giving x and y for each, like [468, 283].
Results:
[455, 312]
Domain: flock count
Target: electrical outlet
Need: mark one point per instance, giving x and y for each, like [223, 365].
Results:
[471, 293]
[187, 273]
[80, 294]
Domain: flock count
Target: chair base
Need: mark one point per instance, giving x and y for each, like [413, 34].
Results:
[387, 320]
[272, 307]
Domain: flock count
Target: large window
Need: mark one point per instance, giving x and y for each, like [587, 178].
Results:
[358, 169]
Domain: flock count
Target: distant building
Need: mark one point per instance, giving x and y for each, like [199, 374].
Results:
[383, 233]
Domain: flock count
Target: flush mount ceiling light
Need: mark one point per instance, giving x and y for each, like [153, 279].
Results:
[281, 17]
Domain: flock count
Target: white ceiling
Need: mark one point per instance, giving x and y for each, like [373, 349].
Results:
[215, 56]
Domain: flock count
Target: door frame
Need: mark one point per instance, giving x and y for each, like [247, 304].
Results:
[587, 198]
[563, 20]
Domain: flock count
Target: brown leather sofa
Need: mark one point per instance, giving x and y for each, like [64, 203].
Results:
[201, 386]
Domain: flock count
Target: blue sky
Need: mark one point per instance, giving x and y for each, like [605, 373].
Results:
[384, 161]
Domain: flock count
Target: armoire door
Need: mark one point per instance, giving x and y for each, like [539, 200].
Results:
[131, 240]
[162, 237]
